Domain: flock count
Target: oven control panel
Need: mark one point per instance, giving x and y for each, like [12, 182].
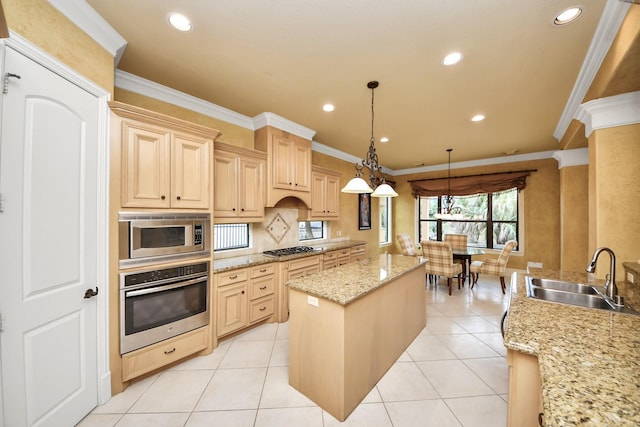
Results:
[133, 279]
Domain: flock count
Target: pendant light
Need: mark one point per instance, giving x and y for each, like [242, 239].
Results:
[448, 210]
[358, 185]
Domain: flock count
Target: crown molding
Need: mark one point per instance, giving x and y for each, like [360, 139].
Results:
[574, 157]
[271, 119]
[612, 16]
[618, 110]
[133, 83]
[88, 20]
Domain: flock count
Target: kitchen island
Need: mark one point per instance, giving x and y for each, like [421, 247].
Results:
[349, 324]
[586, 361]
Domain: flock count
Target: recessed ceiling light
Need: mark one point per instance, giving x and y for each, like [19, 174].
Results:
[384, 139]
[568, 15]
[328, 107]
[180, 22]
[452, 58]
[477, 118]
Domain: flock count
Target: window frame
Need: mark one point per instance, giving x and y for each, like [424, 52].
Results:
[216, 230]
[489, 221]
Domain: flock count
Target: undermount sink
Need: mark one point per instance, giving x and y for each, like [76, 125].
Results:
[573, 293]
[578, 288]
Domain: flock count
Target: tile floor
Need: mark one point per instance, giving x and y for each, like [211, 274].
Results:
[453, 374]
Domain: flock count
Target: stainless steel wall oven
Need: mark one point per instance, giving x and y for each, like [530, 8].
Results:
[159, 304]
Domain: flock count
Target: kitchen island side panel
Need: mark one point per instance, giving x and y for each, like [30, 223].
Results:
[339, 352]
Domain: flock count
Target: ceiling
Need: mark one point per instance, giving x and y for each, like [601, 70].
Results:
[290, 57]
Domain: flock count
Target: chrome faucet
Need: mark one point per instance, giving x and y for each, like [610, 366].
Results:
[610, 286]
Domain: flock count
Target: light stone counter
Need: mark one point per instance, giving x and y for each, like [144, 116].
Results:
[589, 359]
[349, 282]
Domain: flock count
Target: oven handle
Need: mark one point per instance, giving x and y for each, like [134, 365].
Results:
[156, 289]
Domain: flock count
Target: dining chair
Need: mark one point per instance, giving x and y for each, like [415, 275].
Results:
[406, 245]
[440, 262]
[458, 242]
[496, 267]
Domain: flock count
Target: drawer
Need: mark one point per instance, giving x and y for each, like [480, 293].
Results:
[330, 256]
[262, 287]
[156, 356]
[358, 250]
[230, 277]
[263, 270]
[304, 262]
[261, 308]
[326, 264]
[344, 252]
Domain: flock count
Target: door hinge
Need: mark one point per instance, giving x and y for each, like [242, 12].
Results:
[1, 322]
[1, 202]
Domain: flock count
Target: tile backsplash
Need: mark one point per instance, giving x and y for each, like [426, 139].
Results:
[279, 230]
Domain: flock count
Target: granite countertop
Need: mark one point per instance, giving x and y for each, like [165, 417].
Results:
[589, 359]
[232, 263]
[349, 282]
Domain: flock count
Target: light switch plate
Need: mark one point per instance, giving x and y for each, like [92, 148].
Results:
[630, 277]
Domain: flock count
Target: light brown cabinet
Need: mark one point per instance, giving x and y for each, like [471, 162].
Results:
[243, 297]
[525, 393]
[239, 184]
[288, 164]
[165, 162]
[325, 194]
[294, 269]
[358, 253]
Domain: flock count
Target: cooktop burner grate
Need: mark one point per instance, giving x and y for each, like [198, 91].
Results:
[289, 251]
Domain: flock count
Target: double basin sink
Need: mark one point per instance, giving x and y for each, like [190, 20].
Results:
[573, 293]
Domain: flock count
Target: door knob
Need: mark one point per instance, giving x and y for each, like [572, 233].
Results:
[90, 293]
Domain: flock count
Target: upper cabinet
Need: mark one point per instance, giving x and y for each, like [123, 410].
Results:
[239, 184]
[165, 162]
[325, 194]
[288, 164]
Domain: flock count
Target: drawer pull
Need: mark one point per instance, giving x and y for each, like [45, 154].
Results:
[262, 288]
[263, 309]
[170, 351]
[262, 270]
[235, 276]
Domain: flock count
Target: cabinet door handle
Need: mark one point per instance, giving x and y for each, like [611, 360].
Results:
[178, 197]
[242, 292]
[242, 209]
[234, 209]
[541, 419]
[162, 197]
[170, 351]
[262, 288]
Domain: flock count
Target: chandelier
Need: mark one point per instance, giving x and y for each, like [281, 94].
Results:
[448, 210]
[376, 178]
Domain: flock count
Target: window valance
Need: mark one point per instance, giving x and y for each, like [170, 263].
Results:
[470, 184]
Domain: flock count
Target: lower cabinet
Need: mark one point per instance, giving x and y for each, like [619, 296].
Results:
[358, 252]
[243, 297]
[156, 356]
[292, 270]
[525, 392]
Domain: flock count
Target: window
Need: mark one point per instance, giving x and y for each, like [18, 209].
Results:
[230, 236]
[385, 220]
[310, 230]
[490, 219]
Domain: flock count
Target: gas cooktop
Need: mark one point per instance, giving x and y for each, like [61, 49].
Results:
[289, 251]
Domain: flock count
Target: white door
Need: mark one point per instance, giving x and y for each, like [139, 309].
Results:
[48, 227]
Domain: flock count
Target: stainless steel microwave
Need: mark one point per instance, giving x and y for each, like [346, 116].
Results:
[149, 238]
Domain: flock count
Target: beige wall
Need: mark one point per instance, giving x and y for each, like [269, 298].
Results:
[41, 24]
[614, 190]
[574, 214]
[231, 134]
[541, 199]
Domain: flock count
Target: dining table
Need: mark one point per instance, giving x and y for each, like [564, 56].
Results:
[465, 255]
